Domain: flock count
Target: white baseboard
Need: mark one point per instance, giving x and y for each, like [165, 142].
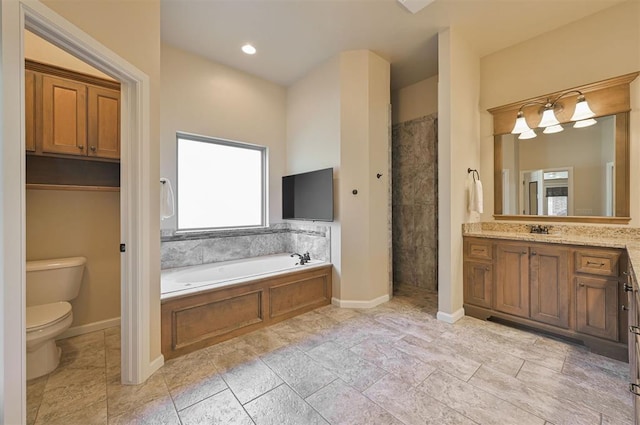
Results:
[360, 304]
[450, 318]
[156, 364]
[90, 327]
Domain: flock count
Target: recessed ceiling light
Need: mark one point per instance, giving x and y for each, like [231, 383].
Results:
[249, 49]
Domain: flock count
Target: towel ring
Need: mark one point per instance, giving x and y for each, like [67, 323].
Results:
[475, 173]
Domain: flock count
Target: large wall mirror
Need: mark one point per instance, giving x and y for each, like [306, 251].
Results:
[577, 174]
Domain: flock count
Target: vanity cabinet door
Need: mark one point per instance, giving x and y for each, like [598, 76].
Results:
[512, 279]
[550, 285]
[478, 281]
[597, 307]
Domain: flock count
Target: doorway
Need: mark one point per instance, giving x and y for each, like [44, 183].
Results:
[136, 181]
[415, 204]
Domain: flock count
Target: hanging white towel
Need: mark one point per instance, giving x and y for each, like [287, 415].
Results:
[475, 197]
[167, 204]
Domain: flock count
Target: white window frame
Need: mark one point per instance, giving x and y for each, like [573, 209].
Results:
[264, 201]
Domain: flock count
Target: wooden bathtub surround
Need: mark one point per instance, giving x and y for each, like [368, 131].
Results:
[571, 291]
[195, 321]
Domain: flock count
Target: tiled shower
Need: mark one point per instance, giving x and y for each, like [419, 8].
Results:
[415, 202]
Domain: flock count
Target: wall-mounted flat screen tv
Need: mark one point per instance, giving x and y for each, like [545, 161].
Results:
[308, 196]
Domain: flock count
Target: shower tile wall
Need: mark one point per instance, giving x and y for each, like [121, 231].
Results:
[415, 202]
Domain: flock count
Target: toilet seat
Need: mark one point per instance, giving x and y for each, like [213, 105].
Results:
[41, 316]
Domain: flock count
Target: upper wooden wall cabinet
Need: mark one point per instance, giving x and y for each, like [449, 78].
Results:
[71, 114]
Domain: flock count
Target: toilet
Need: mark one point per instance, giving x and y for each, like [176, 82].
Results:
[50, 285]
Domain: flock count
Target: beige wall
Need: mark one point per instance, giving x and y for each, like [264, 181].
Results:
[40, 50]
[600, 46]
[205, 98]
[72, 223]
[458, 149]
[313, 138]
[364, 151]
[415, 101]
[338, 116]
[132, 31]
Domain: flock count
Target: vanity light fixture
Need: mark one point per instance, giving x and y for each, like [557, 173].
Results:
[583, 116]
[249, 49]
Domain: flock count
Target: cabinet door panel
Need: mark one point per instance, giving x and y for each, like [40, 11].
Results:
[478, 281]
[512, 279]
[597, 307]
[30, 110]
[550, 285]
[64, 113]
[104, 122]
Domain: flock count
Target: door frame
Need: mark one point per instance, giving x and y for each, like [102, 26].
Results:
[135, 205]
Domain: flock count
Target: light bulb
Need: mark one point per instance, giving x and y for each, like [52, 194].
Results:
[249, 49]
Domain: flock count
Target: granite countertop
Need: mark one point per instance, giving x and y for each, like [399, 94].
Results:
[594, 236]
[558, 238]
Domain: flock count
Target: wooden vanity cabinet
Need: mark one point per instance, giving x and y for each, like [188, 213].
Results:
[633, 300]
[568, 290]
[478, 272]
[597, 307]
[597, 285]
[549, 274]
[512, 278]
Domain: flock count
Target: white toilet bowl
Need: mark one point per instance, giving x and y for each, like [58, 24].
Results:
[44, 323]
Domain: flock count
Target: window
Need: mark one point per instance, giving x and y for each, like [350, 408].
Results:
[221, 184]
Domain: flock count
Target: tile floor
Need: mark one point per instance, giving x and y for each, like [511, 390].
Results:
[394, 364]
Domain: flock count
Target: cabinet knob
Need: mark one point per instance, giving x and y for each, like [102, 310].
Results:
[582, 285]
[534, 253]
[627, 288]
[93, 148]
[624, 308]
[81, 147]
[634, 389]
[524, 252]
[625, 273]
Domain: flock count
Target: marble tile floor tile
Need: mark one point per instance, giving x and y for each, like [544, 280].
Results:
[393, 364]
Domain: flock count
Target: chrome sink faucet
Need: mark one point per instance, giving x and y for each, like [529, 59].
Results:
[537, 228]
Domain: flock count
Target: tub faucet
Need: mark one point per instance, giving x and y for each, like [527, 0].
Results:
[303, 258]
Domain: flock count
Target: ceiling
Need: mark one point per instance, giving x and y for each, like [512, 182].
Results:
[295, 36]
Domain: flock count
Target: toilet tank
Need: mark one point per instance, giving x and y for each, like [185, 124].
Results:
[56, 279]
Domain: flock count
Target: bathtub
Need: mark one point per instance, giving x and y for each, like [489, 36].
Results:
[192, 279]
[206, 304]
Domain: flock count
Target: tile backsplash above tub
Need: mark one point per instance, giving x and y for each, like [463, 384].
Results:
[193, 248]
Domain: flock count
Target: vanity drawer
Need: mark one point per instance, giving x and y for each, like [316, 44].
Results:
[478, 249]
[603, 263]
